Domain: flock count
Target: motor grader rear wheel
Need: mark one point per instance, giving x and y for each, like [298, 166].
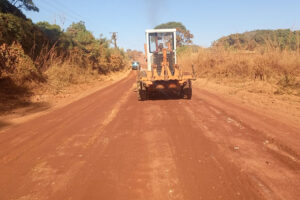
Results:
[142, 95]
[142, 92]
[187, 90]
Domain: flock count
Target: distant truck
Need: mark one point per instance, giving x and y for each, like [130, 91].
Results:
[163, 74]
[135, 65]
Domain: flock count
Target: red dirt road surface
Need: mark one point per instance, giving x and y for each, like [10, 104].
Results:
[110, 146]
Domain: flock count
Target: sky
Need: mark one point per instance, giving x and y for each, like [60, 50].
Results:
[207, 20]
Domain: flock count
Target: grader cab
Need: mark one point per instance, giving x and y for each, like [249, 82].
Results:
[163, 75]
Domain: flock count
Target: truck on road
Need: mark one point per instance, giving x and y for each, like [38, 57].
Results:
[135, 65]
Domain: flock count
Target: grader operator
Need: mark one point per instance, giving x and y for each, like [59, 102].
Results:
[163, 74]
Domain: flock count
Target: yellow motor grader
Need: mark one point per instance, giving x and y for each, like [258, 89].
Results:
[163, 74]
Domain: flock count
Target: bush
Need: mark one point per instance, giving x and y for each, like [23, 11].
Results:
[277, 68]
[15, 29]
[28, 51]
[271, 65]
[16, 65]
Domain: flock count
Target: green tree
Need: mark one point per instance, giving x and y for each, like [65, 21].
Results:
[184, 36]
[278, 39]
[16, 29]
[79, 33]
[52, 31]
[7, 7]
[25, 4]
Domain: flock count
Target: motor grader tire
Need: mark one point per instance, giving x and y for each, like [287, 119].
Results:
[187, 90]
[142, 95]
[189, 93]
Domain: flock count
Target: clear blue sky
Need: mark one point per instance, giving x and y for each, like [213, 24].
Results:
[208, 20]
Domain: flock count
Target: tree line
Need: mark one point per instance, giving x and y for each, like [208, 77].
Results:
[283, 39]
[35, 52]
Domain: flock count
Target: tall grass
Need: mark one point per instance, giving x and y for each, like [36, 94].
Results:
[76, 66]
[280, 67]
[53, 69]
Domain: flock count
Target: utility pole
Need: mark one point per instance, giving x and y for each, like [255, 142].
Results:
[114, 38]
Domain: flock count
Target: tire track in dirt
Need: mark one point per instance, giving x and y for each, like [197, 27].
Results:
[252, 149]
[202, 168]
[110, 146]
[47, 171]
[136, 163]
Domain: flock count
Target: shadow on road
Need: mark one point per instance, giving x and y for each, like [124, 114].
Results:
[3, 124]
[15, 100]
[164, 96]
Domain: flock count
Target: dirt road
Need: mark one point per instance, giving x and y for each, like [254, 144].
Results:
[110, 146]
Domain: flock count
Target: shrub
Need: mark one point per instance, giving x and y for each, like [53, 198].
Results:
[279, 67]
[15, 29]
[16, 65]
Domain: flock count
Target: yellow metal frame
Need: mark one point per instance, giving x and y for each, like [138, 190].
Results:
[166, 74]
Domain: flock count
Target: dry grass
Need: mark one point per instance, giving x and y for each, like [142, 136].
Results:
[51, 73]
[57, 70]
[60, 76]
[280, 69]
[267, 80]
[16, 65]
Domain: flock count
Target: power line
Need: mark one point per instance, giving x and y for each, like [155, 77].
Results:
[71, 15]
[72, 11]
[46, 10]
[60, 12]
[58, 15]
[55, 11]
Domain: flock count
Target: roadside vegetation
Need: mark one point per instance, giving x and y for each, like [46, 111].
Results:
[283, 39]
[261, 61]
[42, 55]
[271, 65]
